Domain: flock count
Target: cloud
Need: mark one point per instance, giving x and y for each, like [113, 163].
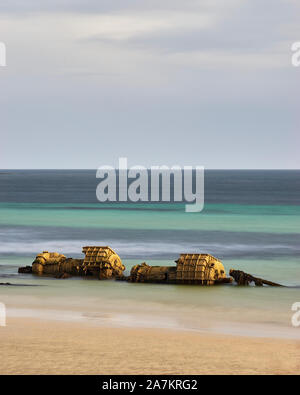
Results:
[243, 28]
[138, 75]
[102, 6]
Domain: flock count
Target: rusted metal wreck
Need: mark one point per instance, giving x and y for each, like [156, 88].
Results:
[104, 263]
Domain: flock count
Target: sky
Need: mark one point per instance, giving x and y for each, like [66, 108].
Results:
[162, 82]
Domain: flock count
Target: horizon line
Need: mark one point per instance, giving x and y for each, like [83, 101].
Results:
[148, 168]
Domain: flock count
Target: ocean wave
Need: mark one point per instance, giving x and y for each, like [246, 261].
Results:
[144, 250]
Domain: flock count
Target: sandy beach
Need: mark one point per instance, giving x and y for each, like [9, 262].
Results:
[47, 347]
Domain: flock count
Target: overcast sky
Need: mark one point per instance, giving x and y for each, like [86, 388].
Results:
[161, 82]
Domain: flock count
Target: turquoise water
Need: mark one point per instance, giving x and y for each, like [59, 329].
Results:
[222, 217]
[252, 224]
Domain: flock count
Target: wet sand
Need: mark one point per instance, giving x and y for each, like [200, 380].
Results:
[34, 346]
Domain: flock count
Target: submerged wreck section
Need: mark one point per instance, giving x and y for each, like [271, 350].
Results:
[243, 278]
[201, 269]
[104, 263]
[101, 262]
[144, 273]
[54, 263]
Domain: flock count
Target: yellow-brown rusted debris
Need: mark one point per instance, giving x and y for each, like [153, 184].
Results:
[47, 262]
[144, 273]
[102, 262]
[201, 269]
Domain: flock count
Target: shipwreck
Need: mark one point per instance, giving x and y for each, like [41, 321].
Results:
[200, 269]
[101, 262]
[104, 263]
